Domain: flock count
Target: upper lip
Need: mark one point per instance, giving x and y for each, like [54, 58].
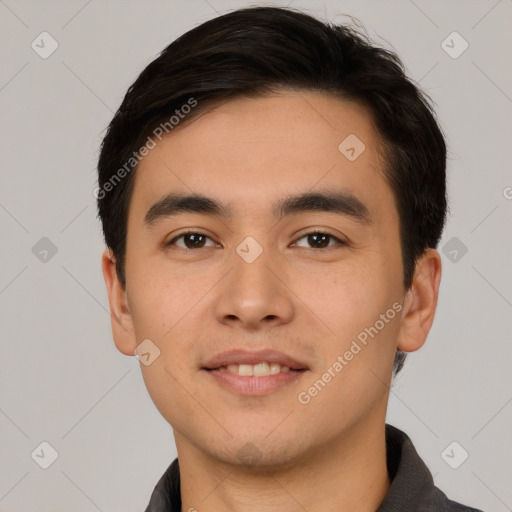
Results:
[253, 357]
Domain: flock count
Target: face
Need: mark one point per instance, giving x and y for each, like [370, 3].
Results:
[291, 258]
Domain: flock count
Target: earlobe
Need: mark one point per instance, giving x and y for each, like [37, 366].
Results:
[120, 314]
[420, 302]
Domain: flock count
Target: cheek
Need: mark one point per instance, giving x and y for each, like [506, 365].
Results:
[169, 309]
[159, 298]
[168, 388]
[151, 309]
[350, 302]
[344, 293]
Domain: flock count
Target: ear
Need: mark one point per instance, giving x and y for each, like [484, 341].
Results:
[120, 315]
[420, 302]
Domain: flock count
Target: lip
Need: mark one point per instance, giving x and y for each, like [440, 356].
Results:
[250, 384]
[253, 357]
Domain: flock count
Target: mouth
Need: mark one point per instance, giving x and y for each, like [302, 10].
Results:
[261, 369]
[254, 373]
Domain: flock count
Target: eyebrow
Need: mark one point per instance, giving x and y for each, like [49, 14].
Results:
[342, 203]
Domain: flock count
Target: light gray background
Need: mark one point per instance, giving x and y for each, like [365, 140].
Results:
[63, 381]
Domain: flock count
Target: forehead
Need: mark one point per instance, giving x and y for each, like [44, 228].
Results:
[250, 152]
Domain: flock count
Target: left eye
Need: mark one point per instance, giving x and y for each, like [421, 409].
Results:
[319, 240]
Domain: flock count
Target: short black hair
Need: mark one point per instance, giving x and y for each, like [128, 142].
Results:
[254, 51]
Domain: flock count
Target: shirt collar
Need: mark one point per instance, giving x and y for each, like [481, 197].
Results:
[412, 485]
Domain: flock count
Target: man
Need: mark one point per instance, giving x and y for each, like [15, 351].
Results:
[272, 191]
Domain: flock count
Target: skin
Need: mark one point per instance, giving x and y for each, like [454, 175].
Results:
[302, 300]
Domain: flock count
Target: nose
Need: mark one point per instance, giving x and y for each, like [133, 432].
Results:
[254, 295]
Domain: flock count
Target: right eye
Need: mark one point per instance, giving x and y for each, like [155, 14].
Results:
[191, 240]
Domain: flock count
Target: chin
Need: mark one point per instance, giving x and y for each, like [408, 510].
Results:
[255, 453]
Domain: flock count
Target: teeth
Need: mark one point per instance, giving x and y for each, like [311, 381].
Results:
[261, 369]
[258, 370]
[275, 368]
[245, 370]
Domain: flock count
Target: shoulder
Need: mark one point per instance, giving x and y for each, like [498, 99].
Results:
[166, 495]
[412, 486]
[443, 504]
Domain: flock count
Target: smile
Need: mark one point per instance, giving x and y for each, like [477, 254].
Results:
[258, 370]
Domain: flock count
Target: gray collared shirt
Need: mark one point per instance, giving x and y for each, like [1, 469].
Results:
[412, 487]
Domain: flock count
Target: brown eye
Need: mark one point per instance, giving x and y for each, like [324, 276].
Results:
[320, 240]
[191, 240]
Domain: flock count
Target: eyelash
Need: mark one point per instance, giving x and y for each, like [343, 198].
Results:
[340, 242]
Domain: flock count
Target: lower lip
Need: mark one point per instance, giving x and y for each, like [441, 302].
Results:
[255, 386]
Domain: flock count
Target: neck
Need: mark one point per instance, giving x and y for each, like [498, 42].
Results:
[345, 475]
